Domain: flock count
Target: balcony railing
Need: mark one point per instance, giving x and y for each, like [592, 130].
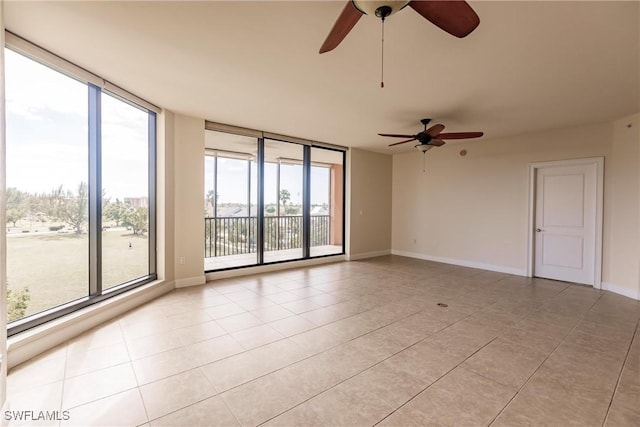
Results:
[238, 235]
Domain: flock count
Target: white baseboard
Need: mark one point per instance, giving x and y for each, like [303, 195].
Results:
[364, 255]
[621, 290]
[25, 345]
[273, 267]
[463, 263]
[191, 281]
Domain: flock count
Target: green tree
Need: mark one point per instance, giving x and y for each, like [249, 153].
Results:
[115, 211]
[137, 219]
[72, 209]
[17, 205]
[292, 210]
[285, 196]
[17, 303]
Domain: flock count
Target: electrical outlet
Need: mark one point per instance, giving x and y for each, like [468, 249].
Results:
[182, 260]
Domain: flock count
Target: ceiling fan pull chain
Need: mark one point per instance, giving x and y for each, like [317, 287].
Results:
[424, 157]
[382, 63]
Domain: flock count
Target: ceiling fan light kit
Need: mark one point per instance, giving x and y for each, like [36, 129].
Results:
[381, 9]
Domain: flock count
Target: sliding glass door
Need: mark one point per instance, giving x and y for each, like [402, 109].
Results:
[230, 201]
[269, 201]
[283, 189]
[327, 202]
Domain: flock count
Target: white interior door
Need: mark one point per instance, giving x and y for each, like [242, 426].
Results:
[565, 222]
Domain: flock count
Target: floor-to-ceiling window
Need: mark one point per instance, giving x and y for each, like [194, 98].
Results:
[327, 201]
[47, 195]
[230, 200]
[80, 213]
[284, 200]
[283, 190]
[125, 192]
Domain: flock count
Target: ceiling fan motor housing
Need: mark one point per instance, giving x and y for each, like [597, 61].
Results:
[424, 138]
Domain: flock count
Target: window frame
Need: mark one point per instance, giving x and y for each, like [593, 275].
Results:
[96, 86]
[307, 163]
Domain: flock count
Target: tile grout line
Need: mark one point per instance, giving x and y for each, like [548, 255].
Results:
[64, 377]
[438, 379]
[308, 357]
[378, 363]
[316, 327]
[412, 345]
[126, 346]
[290, 364]
[624, 364]
[543, 362]
[374, 291]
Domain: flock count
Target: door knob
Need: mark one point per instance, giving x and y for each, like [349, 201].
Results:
[538, 230]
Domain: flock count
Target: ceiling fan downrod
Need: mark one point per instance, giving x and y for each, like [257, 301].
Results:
[382, 12]
[382, 59]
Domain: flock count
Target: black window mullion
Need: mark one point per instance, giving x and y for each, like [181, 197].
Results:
[344, 198]
[95, 191]
[215, 206]
[260, 213]
[306, 202]
[152, 194]
[247, 230]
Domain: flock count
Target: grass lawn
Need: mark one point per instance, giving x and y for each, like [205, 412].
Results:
[55, 268]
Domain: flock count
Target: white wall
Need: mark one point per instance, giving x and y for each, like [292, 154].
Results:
[621, 269]
[165, 209]
[368, 204]
[472, 210]
[189, 201]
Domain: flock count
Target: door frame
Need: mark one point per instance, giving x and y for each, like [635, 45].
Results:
[533, 171]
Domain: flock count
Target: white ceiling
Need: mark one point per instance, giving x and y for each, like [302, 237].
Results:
[529, 65]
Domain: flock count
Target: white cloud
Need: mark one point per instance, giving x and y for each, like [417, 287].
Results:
[47, 133]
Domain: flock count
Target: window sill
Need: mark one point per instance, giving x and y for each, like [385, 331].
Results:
[28, 344]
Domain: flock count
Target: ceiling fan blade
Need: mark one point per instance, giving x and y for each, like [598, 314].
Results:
[460, 135]
[402, 142]
[434, 130]
[394, 135]
[345, 22]
[436, 142]
[455, 17]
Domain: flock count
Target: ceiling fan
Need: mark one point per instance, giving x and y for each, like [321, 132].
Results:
[432, 137]
[453, 16]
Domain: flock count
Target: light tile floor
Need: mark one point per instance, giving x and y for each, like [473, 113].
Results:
[358, 344]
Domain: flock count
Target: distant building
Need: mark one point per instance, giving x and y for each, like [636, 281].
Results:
[232, 211]
[137, 202]
[319, 210]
